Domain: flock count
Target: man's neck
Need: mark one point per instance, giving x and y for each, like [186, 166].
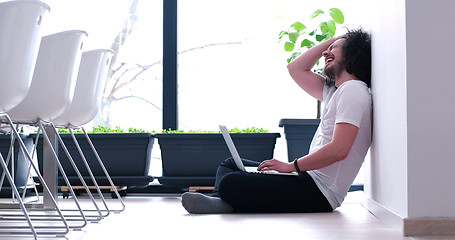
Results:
[344, 77]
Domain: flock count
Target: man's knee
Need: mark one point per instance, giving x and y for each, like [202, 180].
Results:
[229, 183]
[229, 163]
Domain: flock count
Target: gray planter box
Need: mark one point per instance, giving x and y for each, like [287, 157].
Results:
[298, 133]
[20, 162]
[126, 157]
[191, 159]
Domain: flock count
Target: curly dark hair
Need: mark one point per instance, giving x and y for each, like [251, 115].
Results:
[356, 52]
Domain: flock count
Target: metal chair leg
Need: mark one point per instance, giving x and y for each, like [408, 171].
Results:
[105, 171]
[29, 172]
[68, 155]
[62, 171]
[6, 217]
[92, 177]
[10, 156]
[21, 204]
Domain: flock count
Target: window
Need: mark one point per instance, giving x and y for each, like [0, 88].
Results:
[231, 68]
[133, 93]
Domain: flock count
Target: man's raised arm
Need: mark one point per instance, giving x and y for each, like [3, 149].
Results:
[300, 69]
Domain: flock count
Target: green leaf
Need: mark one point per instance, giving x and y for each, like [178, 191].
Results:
[331, 27]
[136, 130]
[313, 32]
[316, 13]
[288, 46]
[282, 33]
[233, 130]
[293, 36]
[321, 38]
[307, 43]
[298, 26]
[294, 56]
[324, 27]
[337, 15]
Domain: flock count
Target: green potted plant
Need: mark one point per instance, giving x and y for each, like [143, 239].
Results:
[125, 154]
[192, 158]
[321, 26]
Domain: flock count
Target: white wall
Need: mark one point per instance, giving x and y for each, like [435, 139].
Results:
[386, 176]
[431, 107]
[411, 172]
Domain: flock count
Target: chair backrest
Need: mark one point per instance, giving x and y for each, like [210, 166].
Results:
[20, 27]
[89, 88]
[54, 79]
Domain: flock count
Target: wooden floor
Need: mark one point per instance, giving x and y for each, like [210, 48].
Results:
[163, 217]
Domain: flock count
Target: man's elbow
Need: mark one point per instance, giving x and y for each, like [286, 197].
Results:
[341, 154]
[291, 68]
[296, 70]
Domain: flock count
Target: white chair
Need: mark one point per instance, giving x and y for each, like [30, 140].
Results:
[20, 25]
[50, 93]
[54, 79]
[86, 103]
[87, 98]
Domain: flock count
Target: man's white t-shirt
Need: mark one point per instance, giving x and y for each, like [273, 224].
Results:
[349, 103]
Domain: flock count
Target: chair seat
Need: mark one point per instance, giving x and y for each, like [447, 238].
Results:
[54, 78]
[89, 88]
[20, 27]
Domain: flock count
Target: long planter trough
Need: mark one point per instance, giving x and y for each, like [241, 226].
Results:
[192, 159]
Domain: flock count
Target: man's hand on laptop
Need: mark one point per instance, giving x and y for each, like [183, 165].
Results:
[276, 165]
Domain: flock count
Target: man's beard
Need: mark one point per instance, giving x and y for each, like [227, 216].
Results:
[333, 72]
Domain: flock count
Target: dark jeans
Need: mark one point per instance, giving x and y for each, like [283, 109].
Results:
[252, 192]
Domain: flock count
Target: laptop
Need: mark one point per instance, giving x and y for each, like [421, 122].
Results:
[238, 161]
